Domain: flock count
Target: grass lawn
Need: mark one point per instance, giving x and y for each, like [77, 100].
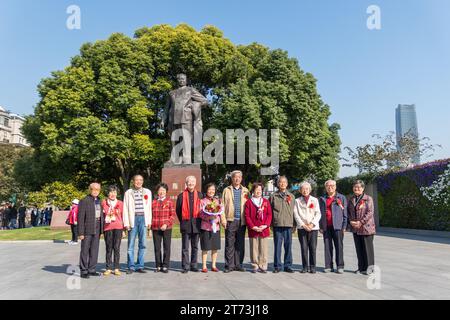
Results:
[45, 233]
[37, 233]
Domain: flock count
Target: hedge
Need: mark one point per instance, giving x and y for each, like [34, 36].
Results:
[401, 203]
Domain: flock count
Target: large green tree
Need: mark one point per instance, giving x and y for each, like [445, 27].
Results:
[98, 118]
[9, 185]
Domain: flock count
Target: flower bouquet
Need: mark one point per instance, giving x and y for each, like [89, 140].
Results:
[213, 209]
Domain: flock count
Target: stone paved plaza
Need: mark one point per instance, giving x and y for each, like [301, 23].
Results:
[411, 267]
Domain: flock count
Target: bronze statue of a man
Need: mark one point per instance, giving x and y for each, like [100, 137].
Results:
[183, 111]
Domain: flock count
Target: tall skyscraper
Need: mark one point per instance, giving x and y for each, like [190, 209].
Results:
[406, 123]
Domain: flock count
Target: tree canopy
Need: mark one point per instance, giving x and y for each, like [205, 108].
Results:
[98, 118]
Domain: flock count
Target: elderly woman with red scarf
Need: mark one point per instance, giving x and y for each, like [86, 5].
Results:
[188, 213]
[258, 217]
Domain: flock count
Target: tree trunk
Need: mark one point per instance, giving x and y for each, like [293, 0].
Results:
[124, 175]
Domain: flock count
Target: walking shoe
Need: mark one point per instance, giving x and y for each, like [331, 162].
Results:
[226, 270]
[193, 269]
[141, 271]
[240, 269]
[117, 272]
[327, 270]
[85, 276]
[288, 270]
[357, 272]
[276, 270]
[185, 271]
[312, 270]
[165, 270]
[130, 271]
[158, 269]
[107, 272]
[340, 271]
[95, 274]
[303, 270]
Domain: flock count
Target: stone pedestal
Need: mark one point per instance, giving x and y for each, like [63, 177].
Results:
[175, 177]
[59, 220]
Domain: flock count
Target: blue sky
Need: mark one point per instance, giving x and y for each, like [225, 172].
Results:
[362, 74]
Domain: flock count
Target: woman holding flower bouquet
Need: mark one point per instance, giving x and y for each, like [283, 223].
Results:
[212, 209]
[258, 217]
[113, 210]
[307, 215]
[362, 224]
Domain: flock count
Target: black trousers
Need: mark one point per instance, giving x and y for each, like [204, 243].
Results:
[74, 229]
[364, 251]
[333, 237]
[308, 245]
[192, 239]
[165, 238]
[234, 244]
[113, 238]
[89, 251]
[21, 223]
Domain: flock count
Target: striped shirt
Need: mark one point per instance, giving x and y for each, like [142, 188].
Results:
[138, 202]
[237, 203]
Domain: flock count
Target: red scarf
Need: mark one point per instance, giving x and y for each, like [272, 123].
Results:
[185, 211]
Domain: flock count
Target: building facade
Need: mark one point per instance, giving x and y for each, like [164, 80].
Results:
[10, 128]
[406, 123]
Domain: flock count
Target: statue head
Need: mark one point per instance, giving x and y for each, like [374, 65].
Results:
[182, 79]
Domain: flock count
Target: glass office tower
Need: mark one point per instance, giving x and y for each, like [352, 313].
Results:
[406, 122]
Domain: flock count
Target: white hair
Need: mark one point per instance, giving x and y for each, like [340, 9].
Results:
[328, 181]
[191, 177]
[305, 184]
[94, 185]
[235, 172]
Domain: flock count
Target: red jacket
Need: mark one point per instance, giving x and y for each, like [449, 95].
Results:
[118, 212]
[73, 214]
[163, 212]
[251, 219]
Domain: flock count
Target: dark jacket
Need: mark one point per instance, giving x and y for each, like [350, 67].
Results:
[362, 211]
[282, 209]
[188, 226]
[339, 214]
[22, 212]
[12, 213]
[86, 217]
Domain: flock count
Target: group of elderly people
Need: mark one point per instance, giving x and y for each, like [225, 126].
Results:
[239, 210]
